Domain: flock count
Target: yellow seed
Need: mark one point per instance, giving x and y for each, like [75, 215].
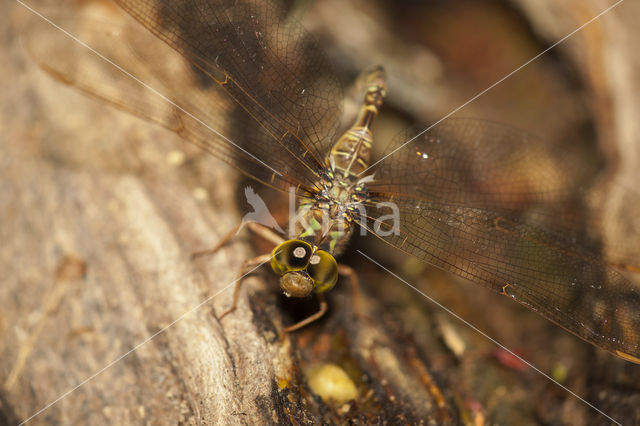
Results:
[331, 383]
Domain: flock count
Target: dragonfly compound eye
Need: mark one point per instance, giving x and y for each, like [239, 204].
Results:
[323, 270]
[292, 255]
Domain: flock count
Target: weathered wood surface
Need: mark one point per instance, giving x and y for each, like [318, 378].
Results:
[98, 223]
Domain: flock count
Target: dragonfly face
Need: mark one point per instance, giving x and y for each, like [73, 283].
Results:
[303, 268]
[470, 196]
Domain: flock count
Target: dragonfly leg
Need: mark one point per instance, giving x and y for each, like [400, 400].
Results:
[255, 227]
[265, 232]
[352, 275]
[246, 268]
[312, 318]
[221, 243]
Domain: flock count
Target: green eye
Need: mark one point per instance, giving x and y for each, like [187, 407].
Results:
[323, 270]
[292, 255]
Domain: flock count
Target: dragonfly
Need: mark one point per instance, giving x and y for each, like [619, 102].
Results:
[459, 193]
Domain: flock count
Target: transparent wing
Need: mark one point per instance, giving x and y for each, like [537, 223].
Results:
[186, 99]
[479, 200]
[264, 61]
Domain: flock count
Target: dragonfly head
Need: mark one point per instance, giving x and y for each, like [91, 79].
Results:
[303, 268]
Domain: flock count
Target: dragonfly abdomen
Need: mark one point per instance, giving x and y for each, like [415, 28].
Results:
[350, 155]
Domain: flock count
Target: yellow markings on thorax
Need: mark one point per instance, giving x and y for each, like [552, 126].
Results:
[314, 227]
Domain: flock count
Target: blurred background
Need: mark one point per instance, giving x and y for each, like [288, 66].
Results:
[83, 282]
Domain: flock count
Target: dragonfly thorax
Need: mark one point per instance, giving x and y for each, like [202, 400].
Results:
[327, 220]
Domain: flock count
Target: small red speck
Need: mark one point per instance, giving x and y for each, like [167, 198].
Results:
[508, 360]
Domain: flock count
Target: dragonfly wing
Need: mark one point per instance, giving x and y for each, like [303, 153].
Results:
[146, 77]
[483, 164]
[476, 223]
[264, 60]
